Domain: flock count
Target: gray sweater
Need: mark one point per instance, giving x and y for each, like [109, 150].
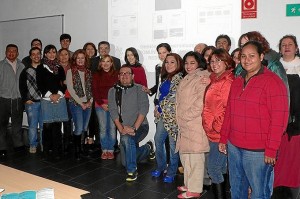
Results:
[134, 102]
[9, 80]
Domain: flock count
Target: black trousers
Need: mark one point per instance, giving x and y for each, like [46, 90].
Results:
[11, 108]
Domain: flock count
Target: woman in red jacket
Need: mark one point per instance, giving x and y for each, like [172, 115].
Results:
[256, 117]
[221, 65]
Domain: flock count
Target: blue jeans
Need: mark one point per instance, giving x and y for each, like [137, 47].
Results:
[247, 168]
[107, 129]
[160, 153]
[80, 117]
[133, 152]
[35, 120]
[216, 164]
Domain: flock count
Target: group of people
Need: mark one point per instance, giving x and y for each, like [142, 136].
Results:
[222, 114]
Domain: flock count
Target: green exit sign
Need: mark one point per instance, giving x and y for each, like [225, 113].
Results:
[292, 10]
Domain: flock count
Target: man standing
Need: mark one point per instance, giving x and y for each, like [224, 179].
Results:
[34, 43]
[65, 41]
[10, 99]
[128, 105]
[31, 96]
[223, 41]
[104, 49]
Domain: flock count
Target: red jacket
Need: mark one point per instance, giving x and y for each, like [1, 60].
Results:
[140, 75]
[257, 113]
[215, 103]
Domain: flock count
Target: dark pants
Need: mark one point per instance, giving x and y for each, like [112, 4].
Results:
[11, 108]
[52, 137]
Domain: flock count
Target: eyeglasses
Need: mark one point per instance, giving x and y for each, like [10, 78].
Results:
[217, 61]
[126, 73]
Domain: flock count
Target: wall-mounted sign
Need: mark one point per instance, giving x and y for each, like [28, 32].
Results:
[249, 9]
[292, 10]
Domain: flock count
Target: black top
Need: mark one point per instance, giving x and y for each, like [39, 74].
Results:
[26, 61]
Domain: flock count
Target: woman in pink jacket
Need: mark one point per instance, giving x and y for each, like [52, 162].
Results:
[192, 141]
[221, 64]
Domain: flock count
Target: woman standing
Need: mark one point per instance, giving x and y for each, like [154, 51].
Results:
[192, 141]
[288, 164]
[255, 119]
[50, 82]
[103, 80]
[133, 61]
[215, 102]
[165, 112]
[79, 83]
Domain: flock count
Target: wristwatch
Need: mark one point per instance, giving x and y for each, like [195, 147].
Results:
[134, 129]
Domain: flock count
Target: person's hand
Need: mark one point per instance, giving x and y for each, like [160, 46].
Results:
[269, 160]
[83, 106]
[146, 90]
[223, 148]
[156, 113]
[29, 102]
[129, 130]
[88, 104]
[205, 80]
[55, 98]
[105, 107]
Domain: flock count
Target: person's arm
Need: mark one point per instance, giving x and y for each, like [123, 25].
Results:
[23, 86]
[70, 87]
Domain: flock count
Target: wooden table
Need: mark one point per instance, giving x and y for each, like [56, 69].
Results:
[13, 180]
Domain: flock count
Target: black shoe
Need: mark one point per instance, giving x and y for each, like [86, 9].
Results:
[3, 155]
[131, 176]
[117, 149]
[152, 153]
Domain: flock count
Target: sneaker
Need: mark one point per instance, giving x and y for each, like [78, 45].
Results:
[131, 176]
[152, 153]
[110, 155]
[168, 179]
[32, 149]
[155, 173]
[104, 156]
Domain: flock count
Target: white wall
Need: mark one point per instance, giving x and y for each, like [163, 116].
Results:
[272, 21]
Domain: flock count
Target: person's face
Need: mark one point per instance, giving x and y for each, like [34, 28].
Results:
[190, 64]
[90, 51]
[125, 76]
[199, 48]
[288, 47]
[207, 54]
[236, 58]
[80, 59]
[11, 53]
[35, 56]
[36, 44]
[130, 57]
[65, 43]
[103, 49]
[162, 53]
[51, 55]
[217, 66]
[64, 56]
[223, 43]
[250, 59]
[244, 40]
[106, 64]
[170, 64]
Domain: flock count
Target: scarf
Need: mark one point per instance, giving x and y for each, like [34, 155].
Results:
[77, 85]
[52, 64]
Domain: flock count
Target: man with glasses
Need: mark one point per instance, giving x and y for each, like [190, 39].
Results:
[128, 105]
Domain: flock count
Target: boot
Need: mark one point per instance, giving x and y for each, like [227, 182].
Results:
[227, 186]
[77, 145]
[218, 190]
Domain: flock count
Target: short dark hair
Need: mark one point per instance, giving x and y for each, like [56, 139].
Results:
[127, 66]
[103, 42]
[164, 45]
[12, 46]
[293, 38]
[222, 36]
[65, 36]
[48, 48]
[34, 48]
[36, 39]
[198, 57]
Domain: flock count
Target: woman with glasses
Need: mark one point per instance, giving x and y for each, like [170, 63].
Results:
[215, 103]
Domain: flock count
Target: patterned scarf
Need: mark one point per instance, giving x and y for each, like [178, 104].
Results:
[52, 64]
[77, 85]
[33, 91]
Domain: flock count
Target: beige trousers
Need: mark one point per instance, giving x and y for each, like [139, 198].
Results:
[194, 165]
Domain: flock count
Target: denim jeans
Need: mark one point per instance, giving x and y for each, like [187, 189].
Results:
[216, 164]
[107, 129]
[80, 118]
[35, 120]
[133, 152]
[160, 153]
[247, 168]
